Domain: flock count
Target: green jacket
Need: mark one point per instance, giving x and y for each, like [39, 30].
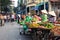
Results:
[44, 18]
[28, 19]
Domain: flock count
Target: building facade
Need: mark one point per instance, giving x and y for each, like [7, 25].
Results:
[55, 5]
[14, 3]
[32, 2]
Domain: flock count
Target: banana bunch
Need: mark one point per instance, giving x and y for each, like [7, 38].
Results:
[34, 25]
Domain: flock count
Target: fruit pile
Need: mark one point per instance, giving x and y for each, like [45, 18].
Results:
[56, 30]
[33, 25]
[57, 22]
[47, 25]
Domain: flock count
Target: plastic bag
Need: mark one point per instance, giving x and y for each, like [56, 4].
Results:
[25, 27]
[22, 22]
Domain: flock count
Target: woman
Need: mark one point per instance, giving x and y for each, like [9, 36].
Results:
[2, 19]
[52, 19]
[44, 16]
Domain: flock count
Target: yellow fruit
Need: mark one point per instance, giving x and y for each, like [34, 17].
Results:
[30, 25]
[34, 25]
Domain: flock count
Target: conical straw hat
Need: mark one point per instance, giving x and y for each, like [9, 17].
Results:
[44, 11]
[52, 13]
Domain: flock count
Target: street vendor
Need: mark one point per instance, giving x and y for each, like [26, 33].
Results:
[52, 17]
[44, 16]
[27, 20]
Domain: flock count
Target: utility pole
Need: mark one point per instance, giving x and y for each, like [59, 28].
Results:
[49, 5]
[26, 6]
[44, 4]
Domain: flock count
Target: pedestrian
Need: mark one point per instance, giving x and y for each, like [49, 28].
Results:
[44, 16]
[19, 18]
[5, 18]
[8, 18]
[12, 18]
[2, 19]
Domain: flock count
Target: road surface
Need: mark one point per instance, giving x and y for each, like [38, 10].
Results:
[10, 31]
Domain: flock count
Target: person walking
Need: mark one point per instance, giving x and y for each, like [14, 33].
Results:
[8, 17]
[2, 19]
[12, 18]
[19, 17]
[5, 18]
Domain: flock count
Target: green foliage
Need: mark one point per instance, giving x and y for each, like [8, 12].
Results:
[5, 2]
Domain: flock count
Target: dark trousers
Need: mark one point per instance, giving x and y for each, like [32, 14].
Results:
[18, 20]
[12, 20]
[0, 22]
[5, 20]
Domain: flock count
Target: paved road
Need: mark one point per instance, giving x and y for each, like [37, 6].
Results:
[10, 31]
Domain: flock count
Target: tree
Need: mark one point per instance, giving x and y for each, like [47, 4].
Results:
[4, 4]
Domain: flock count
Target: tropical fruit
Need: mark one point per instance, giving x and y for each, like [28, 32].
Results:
[34, 19]
[56, 31]
[47, 25]
[34, 25]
